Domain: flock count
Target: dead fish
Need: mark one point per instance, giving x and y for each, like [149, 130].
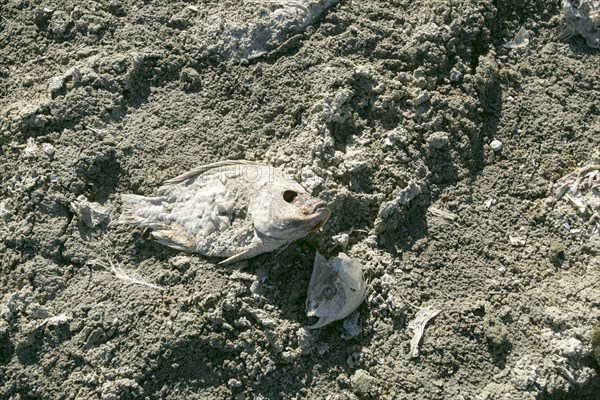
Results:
[337, 287]
[581, 17]
[234, 209]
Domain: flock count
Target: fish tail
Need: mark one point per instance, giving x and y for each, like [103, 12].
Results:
[137, 209]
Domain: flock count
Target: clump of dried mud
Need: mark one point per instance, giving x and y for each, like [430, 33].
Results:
[356, 100]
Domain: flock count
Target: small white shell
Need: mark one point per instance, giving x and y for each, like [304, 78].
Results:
[336, 289]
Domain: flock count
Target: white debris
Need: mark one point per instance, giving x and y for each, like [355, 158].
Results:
[180, 261]
[131, 278]
[55, 84]
[573, 180]
[577, 203]
[442, 213]
[521, 40]
[305, 339]
[31, 148]
[48, 149]
[489, 202]
[381, 224]
[56, 320]
[517, 241]
[417, 327]
[4, 211]
[411, 191]
[343, 238]
[496, 145]
[363, 383]
[568, 347]
[91, 213]
[245, 40]
[310, 180]
[581, 188]
[264, 318]
[36, 311]
[17, 302]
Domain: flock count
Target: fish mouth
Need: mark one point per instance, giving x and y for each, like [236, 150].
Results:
[321, 214]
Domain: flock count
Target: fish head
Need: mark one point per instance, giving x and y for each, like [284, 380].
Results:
[336, 289]
[286, 212]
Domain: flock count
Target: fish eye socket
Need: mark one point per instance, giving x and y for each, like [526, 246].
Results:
[289, 196]
[328, 292]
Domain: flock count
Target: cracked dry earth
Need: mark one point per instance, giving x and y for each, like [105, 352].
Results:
[356, 100]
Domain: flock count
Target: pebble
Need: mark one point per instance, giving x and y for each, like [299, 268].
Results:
[362, 382]
[48, 149]
[56, 84]
[438, 140]
[496, 145]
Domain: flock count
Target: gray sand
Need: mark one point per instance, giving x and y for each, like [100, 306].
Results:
[355, 99]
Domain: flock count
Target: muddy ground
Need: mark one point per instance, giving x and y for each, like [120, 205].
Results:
[355, 99]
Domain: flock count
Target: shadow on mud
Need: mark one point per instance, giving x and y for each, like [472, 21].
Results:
[588, 391]
[199, 362]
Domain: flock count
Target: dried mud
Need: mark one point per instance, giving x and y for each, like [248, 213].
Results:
[355, 99]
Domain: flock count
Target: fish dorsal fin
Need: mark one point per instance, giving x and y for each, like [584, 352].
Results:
[229, 170]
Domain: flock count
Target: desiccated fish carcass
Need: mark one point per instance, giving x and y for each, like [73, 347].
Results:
[337, 287]
[234, 209]
[581, 17]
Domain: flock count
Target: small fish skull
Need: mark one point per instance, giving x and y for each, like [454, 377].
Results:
[337, 287]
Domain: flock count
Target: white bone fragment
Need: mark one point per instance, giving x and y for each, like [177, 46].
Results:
[417, 327]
